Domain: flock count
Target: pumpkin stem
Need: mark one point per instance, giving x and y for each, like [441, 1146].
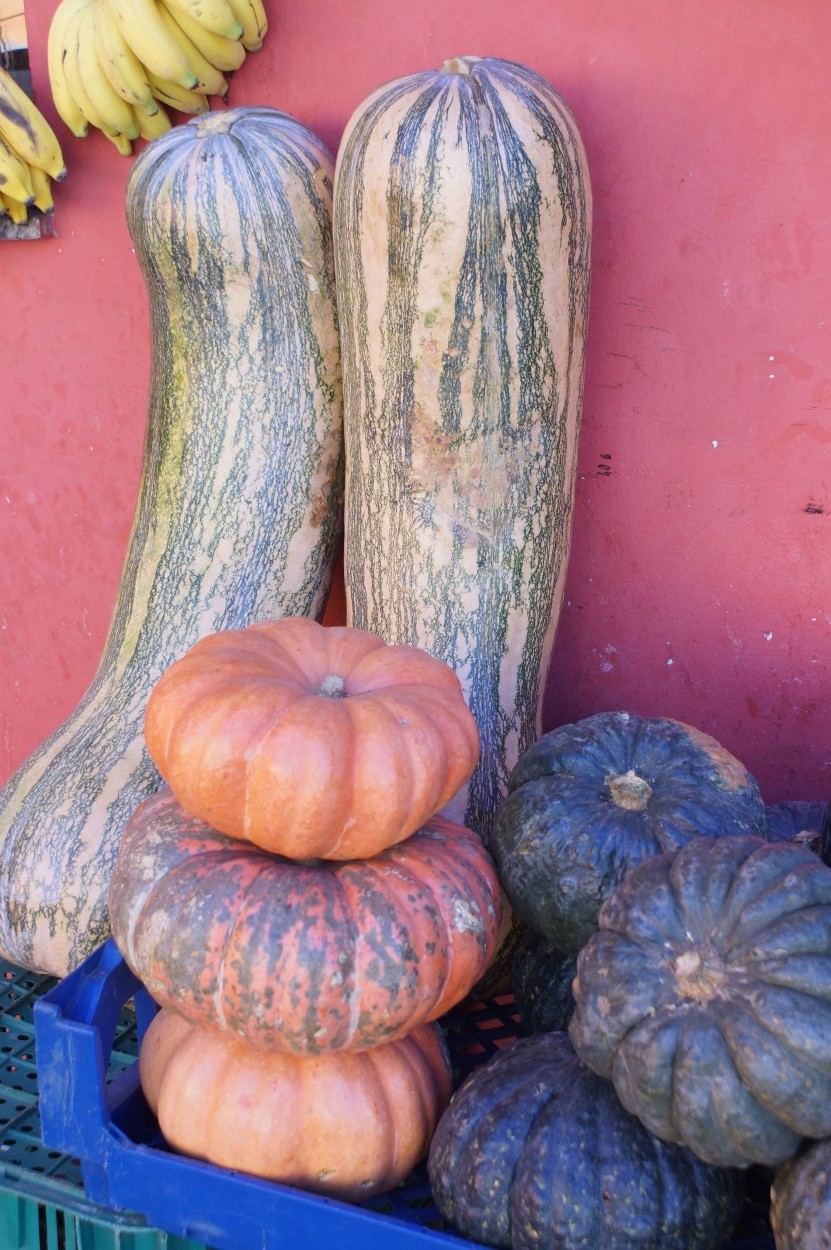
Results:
[630, 791]
[699, 973]
[332, 687]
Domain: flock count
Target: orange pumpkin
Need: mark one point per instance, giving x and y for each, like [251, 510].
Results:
[302, 957]
[311, 741]
[349, 1125]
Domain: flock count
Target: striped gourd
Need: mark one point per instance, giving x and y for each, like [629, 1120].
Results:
[462, 233]
[240, 505]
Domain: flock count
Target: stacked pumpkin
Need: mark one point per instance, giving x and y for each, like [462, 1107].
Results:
[297, 908]
[695, 1042]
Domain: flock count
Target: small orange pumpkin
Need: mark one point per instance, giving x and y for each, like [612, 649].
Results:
[349, 1125]
[311, 741]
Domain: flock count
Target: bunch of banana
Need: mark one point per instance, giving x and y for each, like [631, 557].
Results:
[119, 65]
[29, 153]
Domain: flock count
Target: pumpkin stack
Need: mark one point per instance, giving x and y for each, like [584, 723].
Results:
[297, 908]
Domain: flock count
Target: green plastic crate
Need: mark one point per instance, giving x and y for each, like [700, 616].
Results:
[42, 1200]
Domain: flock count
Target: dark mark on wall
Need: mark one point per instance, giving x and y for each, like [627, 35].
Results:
[605, 470]
[645, 325]
[813, 508]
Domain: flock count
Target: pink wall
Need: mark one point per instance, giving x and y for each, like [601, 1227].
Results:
[700, 578]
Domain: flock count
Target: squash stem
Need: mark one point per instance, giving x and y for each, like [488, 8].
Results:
[460, 65]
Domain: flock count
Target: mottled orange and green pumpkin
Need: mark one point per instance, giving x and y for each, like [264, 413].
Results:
[302, 957]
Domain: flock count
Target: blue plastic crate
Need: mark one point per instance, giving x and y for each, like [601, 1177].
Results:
[96, 1112]
[43, 1205]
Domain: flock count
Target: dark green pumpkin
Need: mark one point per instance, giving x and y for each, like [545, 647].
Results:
[706, 997]
[590, 800]
[799, 820]
[800, 1200]
[541, 978]
[535, 1152]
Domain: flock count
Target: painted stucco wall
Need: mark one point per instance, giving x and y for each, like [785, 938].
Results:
[700, 578]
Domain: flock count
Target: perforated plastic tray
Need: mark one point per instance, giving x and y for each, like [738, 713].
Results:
[93, 1109]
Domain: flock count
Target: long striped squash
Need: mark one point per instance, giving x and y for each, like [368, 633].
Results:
[240, 506]
[462, 236]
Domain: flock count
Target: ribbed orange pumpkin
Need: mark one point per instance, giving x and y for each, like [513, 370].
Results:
[311, 741]
[349, 1125]
[300, 957]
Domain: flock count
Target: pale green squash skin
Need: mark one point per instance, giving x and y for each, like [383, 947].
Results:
[462, 240]
[240, 504]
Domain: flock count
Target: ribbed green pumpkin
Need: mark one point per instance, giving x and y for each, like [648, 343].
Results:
[800, 820]
[541, 978]
[462, 234]
[239, 509]
[705, 997]
[800, 1200]
[535, 1152]
[590, 800]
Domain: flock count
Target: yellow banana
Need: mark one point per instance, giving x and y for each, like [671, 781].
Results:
[251, 16]
[65, 104]
[119, 62]
[122, 142]
[141, 25]
[209, 79]
[17, 211]
[111, 114]
[42, 188]
[23, 125]
[226, 54]
[153, 126]
[72, 70]
[214, 15]
[179, 98]
[15, 175]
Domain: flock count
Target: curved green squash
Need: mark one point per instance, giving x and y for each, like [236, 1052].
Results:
[462, 231]
[239, 510]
